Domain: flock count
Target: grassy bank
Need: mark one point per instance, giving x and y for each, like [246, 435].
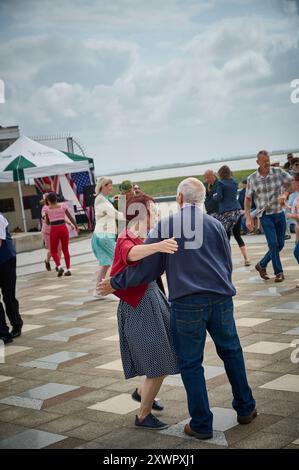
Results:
[167, 186]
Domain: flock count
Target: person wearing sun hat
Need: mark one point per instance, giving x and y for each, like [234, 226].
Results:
[126, 187]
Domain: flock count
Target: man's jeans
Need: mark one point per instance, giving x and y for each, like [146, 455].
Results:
[274, 226]
[296, 251]
[191, 317]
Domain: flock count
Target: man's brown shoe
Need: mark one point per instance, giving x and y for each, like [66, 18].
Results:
[262, 271]
[197, 435]
[279, 277]
[247, 419]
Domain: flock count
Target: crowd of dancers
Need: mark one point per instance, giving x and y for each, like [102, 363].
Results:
[159, 335]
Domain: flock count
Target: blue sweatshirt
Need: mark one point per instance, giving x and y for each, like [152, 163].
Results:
[226, 195]
[204, 270]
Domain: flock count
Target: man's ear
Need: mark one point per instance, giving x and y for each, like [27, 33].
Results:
[179, 199]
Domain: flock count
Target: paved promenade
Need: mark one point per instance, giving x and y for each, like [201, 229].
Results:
[62, 386]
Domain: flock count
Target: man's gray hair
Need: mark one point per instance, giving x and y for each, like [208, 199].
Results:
[209, 172]
[193, 190]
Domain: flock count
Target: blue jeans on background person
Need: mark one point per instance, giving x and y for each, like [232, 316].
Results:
[191, 317]
[296, 251]
[274, 226]
[243, 224]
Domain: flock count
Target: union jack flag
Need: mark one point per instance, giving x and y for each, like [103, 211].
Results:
[47, 183]
[78, 181]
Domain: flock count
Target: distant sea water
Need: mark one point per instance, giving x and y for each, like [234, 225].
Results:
[194, 170]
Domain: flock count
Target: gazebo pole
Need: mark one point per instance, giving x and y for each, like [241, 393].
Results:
[21, 202]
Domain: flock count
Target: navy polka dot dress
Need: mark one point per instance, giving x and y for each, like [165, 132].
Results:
[145, 339]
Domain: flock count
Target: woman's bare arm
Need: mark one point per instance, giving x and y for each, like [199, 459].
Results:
[47, 220]
[70, 218]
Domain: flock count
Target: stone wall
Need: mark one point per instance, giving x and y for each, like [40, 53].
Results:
[10, 190]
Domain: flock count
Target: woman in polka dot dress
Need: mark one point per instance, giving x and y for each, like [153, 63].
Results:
[144, 318]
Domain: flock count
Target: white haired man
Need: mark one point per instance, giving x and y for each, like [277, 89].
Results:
[200, 292]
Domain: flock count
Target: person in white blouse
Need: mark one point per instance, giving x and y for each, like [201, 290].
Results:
[104, 235]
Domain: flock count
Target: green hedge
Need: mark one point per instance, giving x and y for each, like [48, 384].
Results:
[167, 186]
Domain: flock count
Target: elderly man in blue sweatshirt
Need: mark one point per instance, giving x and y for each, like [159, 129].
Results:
[200, 293]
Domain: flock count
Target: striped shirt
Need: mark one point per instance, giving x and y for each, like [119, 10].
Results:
[265, 190]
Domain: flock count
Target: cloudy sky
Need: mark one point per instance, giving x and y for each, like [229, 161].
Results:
[151, 82]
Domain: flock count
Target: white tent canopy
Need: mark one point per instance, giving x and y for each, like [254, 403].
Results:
[26, 159]
[36, 160]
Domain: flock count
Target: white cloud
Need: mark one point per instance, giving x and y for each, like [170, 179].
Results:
[114, 90]
[120, 15]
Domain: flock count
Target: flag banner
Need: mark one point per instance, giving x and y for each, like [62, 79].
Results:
[77, 182]
[72, 232]
[47, 184]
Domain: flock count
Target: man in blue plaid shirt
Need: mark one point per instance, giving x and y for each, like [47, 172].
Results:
[269, 188]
